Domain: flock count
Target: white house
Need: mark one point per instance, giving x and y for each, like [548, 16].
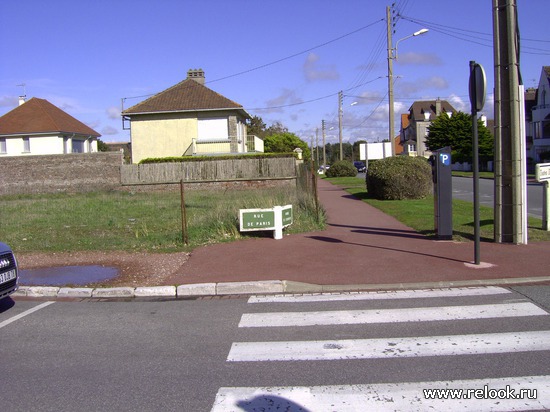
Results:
[37, 127]
[540, 118]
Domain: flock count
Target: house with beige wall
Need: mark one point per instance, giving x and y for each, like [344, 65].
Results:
[37, 127]
[188, 119]
[415, 125]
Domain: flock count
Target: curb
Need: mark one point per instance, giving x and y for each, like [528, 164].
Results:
[268, 287]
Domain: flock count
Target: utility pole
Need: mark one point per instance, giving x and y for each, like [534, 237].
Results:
[390, 74]
[510, 179]
[324, 151]
[340, 114]
[317, 145]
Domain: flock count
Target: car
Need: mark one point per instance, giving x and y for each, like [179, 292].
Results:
[8, 271]
[360, 166]
[323, 169]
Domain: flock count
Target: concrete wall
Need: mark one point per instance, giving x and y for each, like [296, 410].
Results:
[60, 173]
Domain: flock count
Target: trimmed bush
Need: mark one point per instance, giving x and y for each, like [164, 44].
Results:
[342, 168]
[399, 177]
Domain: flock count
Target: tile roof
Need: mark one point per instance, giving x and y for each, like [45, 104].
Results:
[188, 95]
[418, 108]
[40, 116]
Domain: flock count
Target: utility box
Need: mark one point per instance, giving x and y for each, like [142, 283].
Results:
[443, 193]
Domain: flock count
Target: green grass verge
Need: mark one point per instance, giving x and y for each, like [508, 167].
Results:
[139, 221]
[419, 214]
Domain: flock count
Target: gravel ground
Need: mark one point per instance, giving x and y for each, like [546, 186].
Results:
[134, 269]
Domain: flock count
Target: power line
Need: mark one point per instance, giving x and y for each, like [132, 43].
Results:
[276, 61]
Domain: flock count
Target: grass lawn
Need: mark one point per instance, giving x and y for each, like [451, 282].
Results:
[138, 221]
[419, 214]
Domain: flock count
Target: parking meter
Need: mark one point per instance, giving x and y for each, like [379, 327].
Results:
[443, 193]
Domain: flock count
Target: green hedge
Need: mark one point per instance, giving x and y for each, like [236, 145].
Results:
[342, 168]
[399, 177]
[178, 159]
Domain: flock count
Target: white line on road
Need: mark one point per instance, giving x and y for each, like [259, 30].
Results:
[400, 294]
[404, 396]
[354, 317]
[390, 348]
[23, 314]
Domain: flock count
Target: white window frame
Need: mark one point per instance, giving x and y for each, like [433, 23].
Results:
[3, 145]
[26, 144]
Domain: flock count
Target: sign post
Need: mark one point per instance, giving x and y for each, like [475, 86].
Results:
[275, 219]
[478, 87]
[542, 174]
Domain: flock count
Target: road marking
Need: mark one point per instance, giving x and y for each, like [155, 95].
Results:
[391, 348]
[353, 317]
[23, 314]
[400, 294]
[388, 396]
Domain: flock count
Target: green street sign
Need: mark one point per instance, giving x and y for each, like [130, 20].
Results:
[288, 216]
[257, 219]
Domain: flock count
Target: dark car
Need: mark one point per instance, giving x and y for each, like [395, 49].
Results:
[8, 271]
[360, 166]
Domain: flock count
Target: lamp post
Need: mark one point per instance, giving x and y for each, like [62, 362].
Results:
[392, 54]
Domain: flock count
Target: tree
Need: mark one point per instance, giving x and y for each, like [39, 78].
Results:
[256, 127]
[102, 146]
[286, 143]
[456, 132]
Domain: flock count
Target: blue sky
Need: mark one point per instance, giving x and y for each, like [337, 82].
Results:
[283, 60]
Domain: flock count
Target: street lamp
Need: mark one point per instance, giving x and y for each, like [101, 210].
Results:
[392, 54]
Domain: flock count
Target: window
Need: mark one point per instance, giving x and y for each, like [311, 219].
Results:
[26, 145]
[213, 129]
[3, 148]
[78, 146]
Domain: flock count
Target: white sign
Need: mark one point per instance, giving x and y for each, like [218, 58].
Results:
[373, 151]
[542, 172]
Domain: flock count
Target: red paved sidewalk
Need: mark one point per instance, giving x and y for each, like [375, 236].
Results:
[361, 245]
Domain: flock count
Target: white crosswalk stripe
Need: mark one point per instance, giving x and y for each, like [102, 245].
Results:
[351, 317]
[408, 396]
[400, 294]
[496, 392]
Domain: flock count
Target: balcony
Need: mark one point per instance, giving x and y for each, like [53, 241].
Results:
[231, 145]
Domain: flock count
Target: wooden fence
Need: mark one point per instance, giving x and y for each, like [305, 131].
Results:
[209, 171]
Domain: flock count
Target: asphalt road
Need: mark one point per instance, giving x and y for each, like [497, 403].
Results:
[229, 354]
[463, 189]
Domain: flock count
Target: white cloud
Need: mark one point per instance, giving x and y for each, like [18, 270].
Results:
[113, 112]
[313, 71]
[285, 98]
[109, 130]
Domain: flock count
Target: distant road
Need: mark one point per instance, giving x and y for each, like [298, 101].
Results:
[463, 189]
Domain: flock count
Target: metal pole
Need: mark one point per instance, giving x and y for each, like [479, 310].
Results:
[475, 149]
[184, 235]
[324, 151]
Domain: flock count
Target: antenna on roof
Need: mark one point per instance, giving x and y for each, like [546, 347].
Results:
[22, 97]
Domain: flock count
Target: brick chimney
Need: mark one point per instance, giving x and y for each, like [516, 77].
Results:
[197, 75]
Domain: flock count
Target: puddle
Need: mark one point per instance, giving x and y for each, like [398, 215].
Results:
[66, 275]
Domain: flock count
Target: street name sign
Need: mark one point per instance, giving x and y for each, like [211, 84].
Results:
[542, 172]
[274, 219]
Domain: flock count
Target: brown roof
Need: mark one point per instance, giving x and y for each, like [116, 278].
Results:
[40, 116]
[418, 108]
[188, 95]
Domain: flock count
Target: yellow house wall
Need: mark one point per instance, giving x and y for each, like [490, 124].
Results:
[167, 136]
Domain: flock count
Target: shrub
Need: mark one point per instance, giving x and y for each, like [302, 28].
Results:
[342, 168]
[399, 177]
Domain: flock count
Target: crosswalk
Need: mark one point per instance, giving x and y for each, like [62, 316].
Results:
[503, 313]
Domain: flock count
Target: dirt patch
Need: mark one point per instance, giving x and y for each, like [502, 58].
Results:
[134, 269]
